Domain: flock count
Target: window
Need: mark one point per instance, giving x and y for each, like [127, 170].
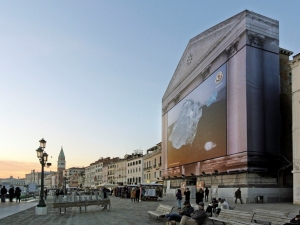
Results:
[140, 161]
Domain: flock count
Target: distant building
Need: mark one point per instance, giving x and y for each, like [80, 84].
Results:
[72, 174]
[295, 64]
[134, 167]
[35, 177]
[121, 171]
[152, 164]
[12, 182]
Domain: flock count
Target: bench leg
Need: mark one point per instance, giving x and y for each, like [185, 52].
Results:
[80, 209]
[65, 210]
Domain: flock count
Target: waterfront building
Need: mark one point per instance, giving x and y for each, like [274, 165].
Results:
[121, 171]
[61, 166]
[221, 113]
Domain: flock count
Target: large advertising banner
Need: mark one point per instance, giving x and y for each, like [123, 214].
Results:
[197, 124]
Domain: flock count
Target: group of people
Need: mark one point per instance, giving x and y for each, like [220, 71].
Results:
[135, 194]
[13, 193]
[200, 194]
[188, 215]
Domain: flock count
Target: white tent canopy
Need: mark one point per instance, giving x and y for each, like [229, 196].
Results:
[108, 185]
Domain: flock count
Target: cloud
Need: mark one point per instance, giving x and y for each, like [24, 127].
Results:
[209, 145]
[17, 169]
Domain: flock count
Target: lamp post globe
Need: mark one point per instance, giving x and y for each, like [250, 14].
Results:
[42, 143]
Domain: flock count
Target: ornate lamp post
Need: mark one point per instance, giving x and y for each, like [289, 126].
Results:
[43, 157]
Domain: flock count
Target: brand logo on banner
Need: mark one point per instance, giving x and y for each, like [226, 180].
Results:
[219, 77]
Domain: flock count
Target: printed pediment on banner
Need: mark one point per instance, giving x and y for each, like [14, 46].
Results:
[200, 47]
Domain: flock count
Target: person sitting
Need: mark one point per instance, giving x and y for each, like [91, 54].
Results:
[209, 209]
[224, 204]
[197, 217]
[295, 220]
[185, 211]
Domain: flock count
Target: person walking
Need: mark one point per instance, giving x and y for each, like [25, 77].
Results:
[132, 194]
[206, 192]
[3, 193]
[178, 198]
[11, 193]
[187, 194]
[18, 194]
[45, 193]
[238, 195]
[137, 194]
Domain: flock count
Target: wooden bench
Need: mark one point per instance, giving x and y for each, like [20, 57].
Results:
[80, 204]
[271, 217]
[234, 217]
[161, 210]
[266, 211]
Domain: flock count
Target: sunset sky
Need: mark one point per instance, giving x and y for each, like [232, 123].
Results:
[90, 75]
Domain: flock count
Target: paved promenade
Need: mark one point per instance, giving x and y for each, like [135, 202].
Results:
[123, 212]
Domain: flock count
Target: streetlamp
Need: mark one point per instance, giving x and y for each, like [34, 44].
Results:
[43, 157]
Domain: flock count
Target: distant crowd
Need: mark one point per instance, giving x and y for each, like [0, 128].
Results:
[12, 193]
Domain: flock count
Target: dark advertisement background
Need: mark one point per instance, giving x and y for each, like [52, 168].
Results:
[197, 124]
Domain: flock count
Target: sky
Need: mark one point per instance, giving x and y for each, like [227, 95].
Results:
[89, 76]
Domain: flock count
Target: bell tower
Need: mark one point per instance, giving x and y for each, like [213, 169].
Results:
[61, 166]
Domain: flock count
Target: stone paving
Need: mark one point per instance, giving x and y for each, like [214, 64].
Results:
[123, 212]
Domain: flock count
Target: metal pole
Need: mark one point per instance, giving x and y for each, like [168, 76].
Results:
[42, 202]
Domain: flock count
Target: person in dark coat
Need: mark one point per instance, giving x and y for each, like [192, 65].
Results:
[137, 194]
[11, 192]
[18, 194]
[206, 192]
[46, 193]
[61, 192]
[238, 195]
[198, 196]
[57, 193]
[185, 211]
[197, 217]
[187, 194]
[3, 193]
